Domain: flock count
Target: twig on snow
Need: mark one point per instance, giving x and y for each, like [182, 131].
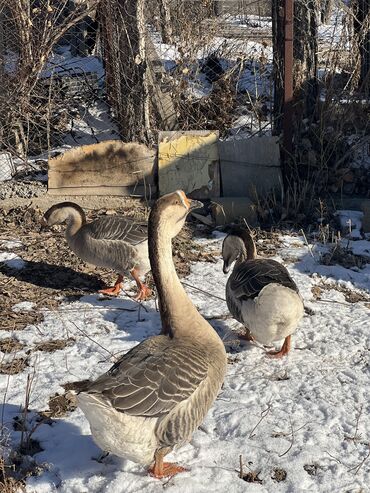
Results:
[264, 413]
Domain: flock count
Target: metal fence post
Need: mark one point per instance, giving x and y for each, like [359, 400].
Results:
[288, 80]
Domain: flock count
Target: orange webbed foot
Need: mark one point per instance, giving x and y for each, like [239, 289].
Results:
[143, 294]
[114, 290]
[283, 351]
[168, 469]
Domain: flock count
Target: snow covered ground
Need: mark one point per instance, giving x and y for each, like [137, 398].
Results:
[299, 424]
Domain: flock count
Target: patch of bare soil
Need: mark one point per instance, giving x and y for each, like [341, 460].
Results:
[11, 320]
[54, 345]
[185, 250]
[55, 271]
[19, 466]
[252, 477]
[9, 484]
[340, 255]
[267, 242]
[279, 474]
[60, 405]
[311, 469]
[349, 295]
[10, 345]
[16, 365]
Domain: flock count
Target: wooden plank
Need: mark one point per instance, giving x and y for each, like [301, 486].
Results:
[112, 165]
[148, 192]
[189, 160]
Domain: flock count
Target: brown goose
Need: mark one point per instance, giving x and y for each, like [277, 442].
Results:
[156, 396]
[114, 242]
[260, 293]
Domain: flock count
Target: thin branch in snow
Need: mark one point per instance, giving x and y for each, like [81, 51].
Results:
[358, 467]
[334, 458]
[356, 437]
[92, 340]
[292, 440]
[309, 247]
[241, 475]
[264, 413]
[202, 291]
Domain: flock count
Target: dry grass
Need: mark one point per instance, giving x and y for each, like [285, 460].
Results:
[54, 345]
[10, 345]
[340, 255]
[16, 365]
[279, 474]
[11, 320]
[349, 295]
[9, 484]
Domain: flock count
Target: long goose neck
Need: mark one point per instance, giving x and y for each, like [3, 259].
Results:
[250, 247]
[75, 220]
[178, 314]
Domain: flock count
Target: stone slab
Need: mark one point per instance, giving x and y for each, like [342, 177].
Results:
[226, 210]
[250, 166]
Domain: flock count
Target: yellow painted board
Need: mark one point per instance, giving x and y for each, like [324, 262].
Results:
[189, 160]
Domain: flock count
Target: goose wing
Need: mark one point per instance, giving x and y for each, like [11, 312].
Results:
[251, 276]
[117, 228]
[152, 378]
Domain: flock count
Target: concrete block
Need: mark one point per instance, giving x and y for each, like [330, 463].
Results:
[189, 161]
[250, 166]
[225, 210]
[357, 204]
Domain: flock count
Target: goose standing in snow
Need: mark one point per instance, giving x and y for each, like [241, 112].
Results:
[115, 242]
[156, 395]
[260, 293]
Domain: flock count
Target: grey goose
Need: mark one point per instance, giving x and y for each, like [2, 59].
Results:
[260, 293]
[154, 398]
[115, 242]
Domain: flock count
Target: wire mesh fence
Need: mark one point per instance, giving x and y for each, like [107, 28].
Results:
[76, 72]
[331, 117]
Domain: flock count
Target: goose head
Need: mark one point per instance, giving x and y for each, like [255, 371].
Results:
[63, 212]
[232, 249]
[237, 246]
[172, 210]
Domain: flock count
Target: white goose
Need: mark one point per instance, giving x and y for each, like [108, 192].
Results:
[260, 293]
[155, 396]
[115, 242]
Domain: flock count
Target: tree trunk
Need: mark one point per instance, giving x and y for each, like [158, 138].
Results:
[278, 63]
[361, 25]
[326, 11]
[305, 62]
[166, 21]
[125, 67]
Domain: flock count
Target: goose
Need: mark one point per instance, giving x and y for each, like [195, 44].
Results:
[152, 400]
[260, 293]
[114, 242]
